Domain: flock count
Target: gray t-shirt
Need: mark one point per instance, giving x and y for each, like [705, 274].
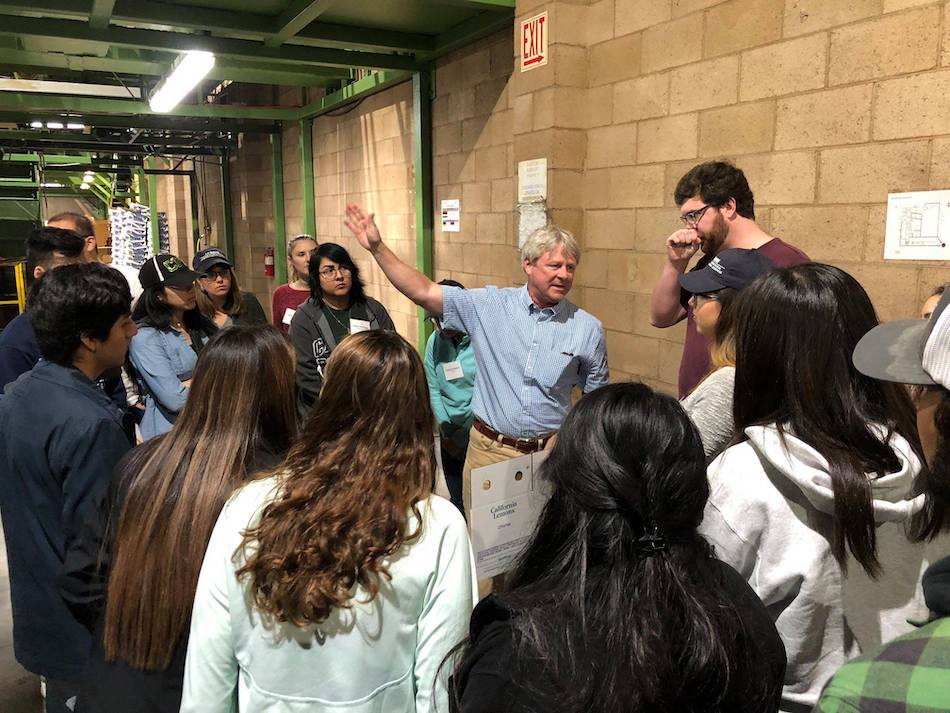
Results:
[710, 407]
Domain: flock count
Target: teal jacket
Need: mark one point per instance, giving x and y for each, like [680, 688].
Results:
[451, 400]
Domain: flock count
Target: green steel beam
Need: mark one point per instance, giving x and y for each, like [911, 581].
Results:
[306, 172]
[297, 16]
[422, 165]
[471, 30]
[101, 12]
[19, 183]
[153, 208]
[226, 200]
[235, 126]
[195, 220]
[91, 140]
[328, 34]
[183, 41]
[280, 228]
[46, 158]
[489, 5]
[371, 84]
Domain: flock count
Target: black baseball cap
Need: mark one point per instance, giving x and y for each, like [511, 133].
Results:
[735, 268]
[167, 270]
[208, 258]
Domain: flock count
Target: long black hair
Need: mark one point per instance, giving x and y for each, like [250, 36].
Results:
[613, 626]
[796, 329]
[339, 255]
[151, 311]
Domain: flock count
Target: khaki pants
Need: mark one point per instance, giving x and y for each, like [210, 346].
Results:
[483, 451]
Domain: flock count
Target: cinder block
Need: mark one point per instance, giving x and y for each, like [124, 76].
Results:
[741, 24]
[894, 5]
[501, 57]
[633, 15]
[892, 288]
[571, 68]
[561, 107]
[476, 198]
[475, 134]
[503, 195]
[918, 105]
[564, 148]
[654, 226]
[597, 188]
[929, 279]
[685, 7]
[613, 309]
[523, 117]
[886, 46]
[641, 323]
[739, 129]
[784, 68]
[940, 165]
[642, 98]
[597, 21]
[836, 116]
[636, 186]
[867, 173]
[446, 139]
[461, 103]
[593, 268]
[672, 43]
[703, 85]
[614, 60]
[671, 354]
[612, 146]
[502, 127]
[668, 139]
[632, 354]
[474, 68]
[804, 16]
[826, 233]
[643, 270]
[461, 168]
[610, 229]
[491, 163]
[565, 188]
[491, 95]
[781, 178]
[674, 172]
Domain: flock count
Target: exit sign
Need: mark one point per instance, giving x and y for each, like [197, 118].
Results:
[534, 42]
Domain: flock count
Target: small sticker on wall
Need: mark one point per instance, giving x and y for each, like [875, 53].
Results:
[451, 215]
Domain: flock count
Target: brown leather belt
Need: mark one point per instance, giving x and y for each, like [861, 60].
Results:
[525, 445]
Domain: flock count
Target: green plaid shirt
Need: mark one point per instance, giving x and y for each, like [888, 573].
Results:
[910, 674]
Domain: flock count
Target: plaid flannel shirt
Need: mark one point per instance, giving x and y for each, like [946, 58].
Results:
[910, 674]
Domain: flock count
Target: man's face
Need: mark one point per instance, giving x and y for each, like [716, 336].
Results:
[550, 277]
[111, 352]
[711, 227]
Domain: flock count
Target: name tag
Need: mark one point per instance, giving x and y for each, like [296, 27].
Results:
[288, 315]
[359, 325]
[453, 370]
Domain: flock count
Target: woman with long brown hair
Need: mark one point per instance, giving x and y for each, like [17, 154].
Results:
[218, 296]
[341, 582]
[238, 419]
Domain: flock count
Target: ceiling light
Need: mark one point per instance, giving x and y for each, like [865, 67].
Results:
[36, 124]
[88, 178]
[76, 126]
[52, 185]
[54, 125]
[190, 69]
[84, 186]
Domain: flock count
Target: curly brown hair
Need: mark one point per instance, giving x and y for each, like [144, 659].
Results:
[364, 459]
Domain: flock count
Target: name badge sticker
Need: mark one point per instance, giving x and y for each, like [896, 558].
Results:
[288, 316]
[359, 325]
[453, 370]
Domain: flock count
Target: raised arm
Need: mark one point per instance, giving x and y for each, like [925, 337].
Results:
[412, 283]
[665, 307]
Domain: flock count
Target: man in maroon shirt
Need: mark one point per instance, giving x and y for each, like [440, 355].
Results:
[718, 211]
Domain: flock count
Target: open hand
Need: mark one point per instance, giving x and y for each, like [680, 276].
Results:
[681, 246]
[363, 227]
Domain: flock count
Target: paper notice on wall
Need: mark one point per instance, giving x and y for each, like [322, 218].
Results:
[532, 180]
[451, 216]
[507, 499]
[918, 226]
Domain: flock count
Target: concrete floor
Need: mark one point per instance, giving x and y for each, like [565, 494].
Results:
[19, 690]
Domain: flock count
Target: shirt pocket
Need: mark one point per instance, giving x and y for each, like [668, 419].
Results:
[556, 367]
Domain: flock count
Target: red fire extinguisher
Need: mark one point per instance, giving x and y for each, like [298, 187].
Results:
[269, 262]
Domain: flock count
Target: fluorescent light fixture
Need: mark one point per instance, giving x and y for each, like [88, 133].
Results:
[54, 125]
[76, 126]
[190, 69]
[36, 124]
[88, 178]
[84, 186]
[52, 185]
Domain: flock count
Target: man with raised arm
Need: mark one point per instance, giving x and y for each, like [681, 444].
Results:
[532, 346]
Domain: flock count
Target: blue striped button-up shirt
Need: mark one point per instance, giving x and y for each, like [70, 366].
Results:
[528, 359]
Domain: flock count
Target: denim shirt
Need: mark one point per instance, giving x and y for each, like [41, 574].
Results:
[164, 360]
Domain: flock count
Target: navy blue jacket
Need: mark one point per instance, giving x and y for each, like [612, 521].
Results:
[18, 350]
[60, 438]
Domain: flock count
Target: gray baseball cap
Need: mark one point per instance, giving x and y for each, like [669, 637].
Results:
[909, 351]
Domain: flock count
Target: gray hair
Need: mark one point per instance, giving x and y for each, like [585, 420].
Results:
[545, 239]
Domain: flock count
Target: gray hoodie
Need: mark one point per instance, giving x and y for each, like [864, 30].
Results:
[769, 515]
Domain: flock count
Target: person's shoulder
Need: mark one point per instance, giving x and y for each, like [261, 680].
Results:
[282, 290]
[583, 317]
[250, 498]
[17, 329]
[783, 254]
[441, 515]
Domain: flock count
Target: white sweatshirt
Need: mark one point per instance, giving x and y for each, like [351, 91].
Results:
[377, 657]
[769, 516]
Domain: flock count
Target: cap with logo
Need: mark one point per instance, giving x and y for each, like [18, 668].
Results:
[166, 270]
[909, 351]
[735, 268]
[208, 258]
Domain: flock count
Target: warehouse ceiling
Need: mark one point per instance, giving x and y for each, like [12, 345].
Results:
[92, 64]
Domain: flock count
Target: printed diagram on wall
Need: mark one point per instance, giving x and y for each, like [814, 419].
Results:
[918, 226]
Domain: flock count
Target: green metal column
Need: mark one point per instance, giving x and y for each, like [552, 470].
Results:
[226, 200]
[306, 168]
[195, 220]
[422, 165]
[280, 229]
[153, 207]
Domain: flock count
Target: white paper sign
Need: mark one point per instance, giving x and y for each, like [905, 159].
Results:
[918, 226]
[288, 316]
[359, 325]
[507, 499]
[453, 370]
[451, 215]
[532, 180]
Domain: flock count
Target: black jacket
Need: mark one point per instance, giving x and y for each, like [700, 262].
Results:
[313, 341]
[251, 311]
[60, 438]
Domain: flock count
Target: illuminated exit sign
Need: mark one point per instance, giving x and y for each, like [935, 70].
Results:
[534, 42]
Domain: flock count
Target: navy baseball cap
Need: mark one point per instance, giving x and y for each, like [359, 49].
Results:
[734, 268]
[208, 258]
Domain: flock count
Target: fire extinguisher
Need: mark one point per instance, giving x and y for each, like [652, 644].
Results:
[269, 262]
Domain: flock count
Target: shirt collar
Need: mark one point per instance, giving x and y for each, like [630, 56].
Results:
[532, 307]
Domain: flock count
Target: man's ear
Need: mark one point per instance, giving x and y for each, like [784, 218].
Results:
[91, 245]
[729, 208]
[89, 343]
[37, 271]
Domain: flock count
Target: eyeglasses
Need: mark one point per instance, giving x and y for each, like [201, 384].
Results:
[217, 275]
[694, 216]
[331, 271]
[701, 298]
